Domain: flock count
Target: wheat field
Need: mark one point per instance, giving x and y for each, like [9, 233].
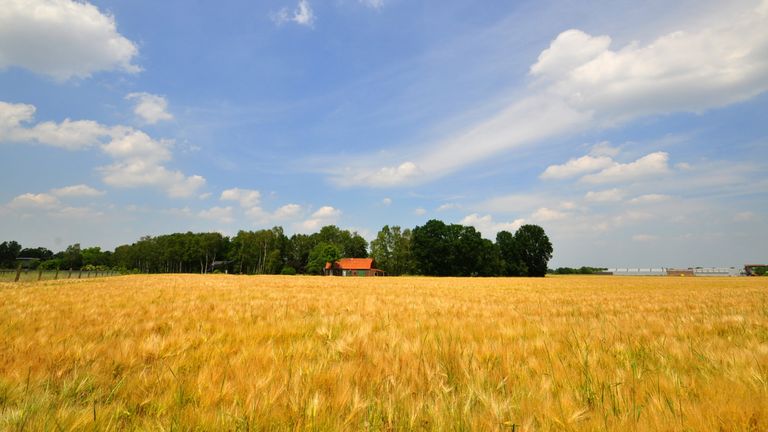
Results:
[218, 352]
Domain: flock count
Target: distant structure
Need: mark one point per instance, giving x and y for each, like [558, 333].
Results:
[680, 272]
[352, 267]
[664, 271]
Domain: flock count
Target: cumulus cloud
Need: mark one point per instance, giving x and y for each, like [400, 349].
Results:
[137, 173]
[287, 211]
[301, 15]
[649, 199]
[62, 39]
[326, 212]
[70, 135]
[150, 108]
[221, 214]
[744, 216]
[576, 167]
[610, 195]
[140, 161]
[246, 197]
[139, 158]
[420, 211]
[283, 214]
[34, 201]
[583, 82]
[383, 177]
[688, 70]
[488, 227]
[323, 216]
[386, 202]
[649, 165]
[545, 214]
[79, 190]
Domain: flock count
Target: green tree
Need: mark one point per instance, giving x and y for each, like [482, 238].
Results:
[40, 253]
[9, 251]
[431, 248]
[534, 248]
[72, 257]
[321, 254]
[511, 259]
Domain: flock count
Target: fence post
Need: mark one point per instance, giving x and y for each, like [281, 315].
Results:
[56, 276]
[80, 273]
[69, 275]
[39, 274]
[18, 273]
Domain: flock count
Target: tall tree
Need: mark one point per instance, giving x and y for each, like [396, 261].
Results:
[321, 254]
[535, 249]
[511, 259]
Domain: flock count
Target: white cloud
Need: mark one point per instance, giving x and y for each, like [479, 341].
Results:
[374, 4]
[301, 15]
[545, 214]
[653, 164]
[246, 197]
[688, 70]
[744, 216]
[576, 167]
[649, 199]
[383, 177]
[609, 195]
[34, 201]
[570, 49]
[221, 214]
[137, 173]
[488, 227]
[138, 146]
[62, 39]
[326, 212]
[325, 215]
[138, 164]
[643, 237]
[138, 157]
[80, 190]
[604, 149]
[149, 107]
[582, 83]
[70, 135]
[420, 211]
[280, 216]
[447, 206]
[287, 211]
[386, 202]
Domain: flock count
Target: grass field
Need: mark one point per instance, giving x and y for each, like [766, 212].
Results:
[187, 352]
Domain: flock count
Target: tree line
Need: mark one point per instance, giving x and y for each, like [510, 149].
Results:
[433, 249]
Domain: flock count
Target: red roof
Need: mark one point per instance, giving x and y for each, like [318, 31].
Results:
[352, 264]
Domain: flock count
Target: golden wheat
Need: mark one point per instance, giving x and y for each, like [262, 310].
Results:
[187, 352]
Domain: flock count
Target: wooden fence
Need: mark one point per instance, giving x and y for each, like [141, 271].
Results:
[27, 275]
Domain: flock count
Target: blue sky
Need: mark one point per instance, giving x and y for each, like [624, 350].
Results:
[636, 135]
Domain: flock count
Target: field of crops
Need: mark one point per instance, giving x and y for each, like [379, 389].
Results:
[218, 352]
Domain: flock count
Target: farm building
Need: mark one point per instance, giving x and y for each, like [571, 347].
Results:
[352, 267]
[680, 272]
[665, 271]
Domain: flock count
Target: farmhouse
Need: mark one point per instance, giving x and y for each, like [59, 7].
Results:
[352, 267]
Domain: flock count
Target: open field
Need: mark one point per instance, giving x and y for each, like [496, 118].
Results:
[217, 352]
